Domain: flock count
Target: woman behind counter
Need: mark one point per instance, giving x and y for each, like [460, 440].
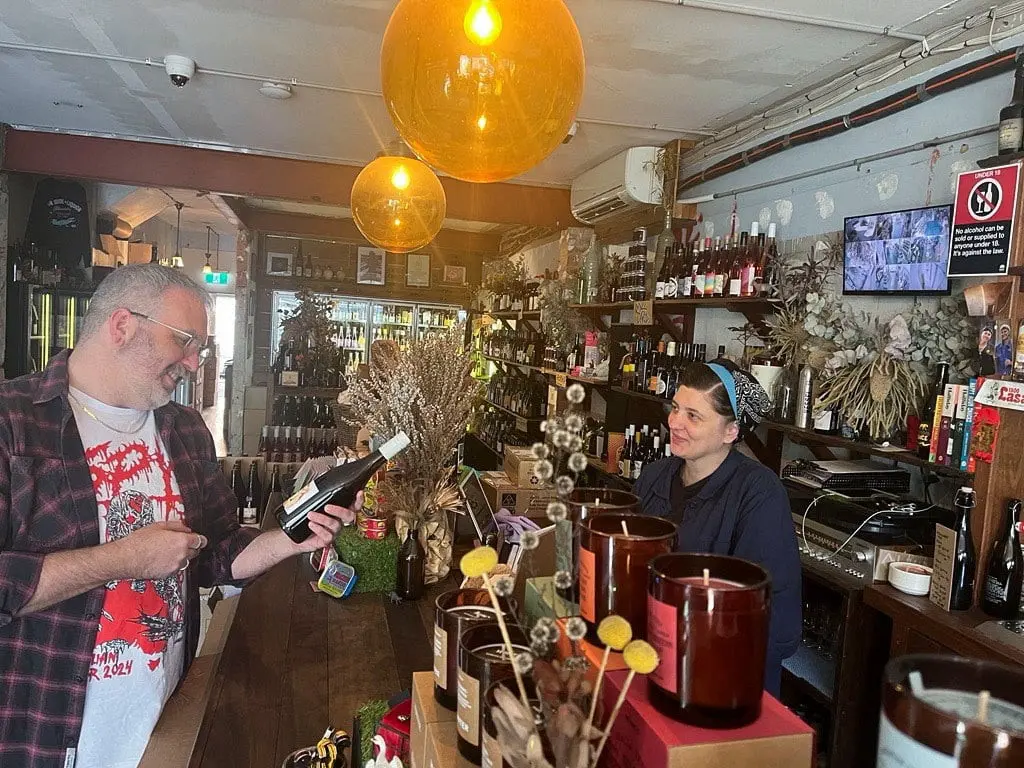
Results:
[724, 502]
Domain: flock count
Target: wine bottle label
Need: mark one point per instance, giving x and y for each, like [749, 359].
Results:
[662, 387]
[719, 283]
[249, 514]
[687, 287]
[1011, 132]
[588, 593]
[662, 633]
[671, 288]
[659, 290]
[469, 708]
[300, 497]
[490, 753]
[995, 591]
[440, 656]
[734, 287]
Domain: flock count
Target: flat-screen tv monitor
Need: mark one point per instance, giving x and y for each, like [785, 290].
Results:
[901, 253]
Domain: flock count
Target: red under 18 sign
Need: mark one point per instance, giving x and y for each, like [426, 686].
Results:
[983, 214]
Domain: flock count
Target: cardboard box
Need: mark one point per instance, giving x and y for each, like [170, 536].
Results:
[529, 502]
[541, 600]
[519, 464]
[425, 712]
[643, 736]
[442, 748]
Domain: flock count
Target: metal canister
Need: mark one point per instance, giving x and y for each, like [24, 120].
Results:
[804, 397]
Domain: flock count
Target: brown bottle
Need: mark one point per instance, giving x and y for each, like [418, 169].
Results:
[409, 583]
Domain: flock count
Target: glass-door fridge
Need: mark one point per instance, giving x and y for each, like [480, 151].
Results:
[431, 318]
[41, 321]
[350, 316]
[394, 320]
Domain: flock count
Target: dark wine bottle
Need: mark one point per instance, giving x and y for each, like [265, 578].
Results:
[274, 494]
[409, 584]
[1001, 596]
[964, 559]
[253, 497]
[1011, 118]
[336, 486]
[238, 486]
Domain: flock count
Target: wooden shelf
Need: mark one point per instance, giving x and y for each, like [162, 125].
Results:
[640, 396]
[517, 365]
[515, 314]
[598, 465]
[799, 435]
[813, 672]
[996, 160]
[308, 391]
[513, 413]
[481, 442]
[736, 304]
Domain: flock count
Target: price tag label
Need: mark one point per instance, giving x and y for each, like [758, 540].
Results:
[520, 424]
[561, 380]
[289, 378]
[643, 312]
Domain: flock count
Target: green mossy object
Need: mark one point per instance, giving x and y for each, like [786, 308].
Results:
[375, 560]
[369, 716]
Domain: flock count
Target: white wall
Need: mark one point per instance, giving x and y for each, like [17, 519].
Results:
[818, 204]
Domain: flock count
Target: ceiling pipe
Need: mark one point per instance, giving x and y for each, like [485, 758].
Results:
[294, 82]
[795, 18]
[855, 163]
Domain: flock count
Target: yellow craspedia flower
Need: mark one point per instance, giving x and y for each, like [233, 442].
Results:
[478, 561]
[640, 657]
[615, 632]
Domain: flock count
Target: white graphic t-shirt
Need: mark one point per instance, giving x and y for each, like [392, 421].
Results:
[140, 644]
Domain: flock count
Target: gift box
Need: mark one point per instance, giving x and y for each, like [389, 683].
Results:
[426, 712]
[643, 736]
[395, 731]
[442, 749]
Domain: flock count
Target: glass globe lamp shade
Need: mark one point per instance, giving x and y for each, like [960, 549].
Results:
[398, 203]
[482, 90]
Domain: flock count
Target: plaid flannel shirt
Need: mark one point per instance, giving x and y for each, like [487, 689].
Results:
[47, 504]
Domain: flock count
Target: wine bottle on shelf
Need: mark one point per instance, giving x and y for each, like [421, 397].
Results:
[262, 448]
[1003, 579]
[1011, 118]
[409, 581]
[336, 486]
[253, 497]
[274, 494]
[964, 560]
[238, 486]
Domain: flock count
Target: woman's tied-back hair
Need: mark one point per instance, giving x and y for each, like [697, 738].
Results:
[138, 287]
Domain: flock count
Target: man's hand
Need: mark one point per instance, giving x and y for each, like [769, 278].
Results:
[324, 526]
[157, 551]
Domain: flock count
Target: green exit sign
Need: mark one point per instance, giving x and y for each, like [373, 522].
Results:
[216, 278]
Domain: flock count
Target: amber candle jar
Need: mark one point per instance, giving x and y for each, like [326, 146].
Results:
[454, 613]
[933, 715]
[712, 638]
[483, 660]
[613, 566]
[584, 503]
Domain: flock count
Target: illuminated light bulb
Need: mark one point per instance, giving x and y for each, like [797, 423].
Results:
[482, 23]
[400, 178]
[398, 203]
[524, 74]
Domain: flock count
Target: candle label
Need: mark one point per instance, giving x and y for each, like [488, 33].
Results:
[662, 633]
[469, 708]
[588, 589]
[440, 656]
[897, 750]
[490, 753]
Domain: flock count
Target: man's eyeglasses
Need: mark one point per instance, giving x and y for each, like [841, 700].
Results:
[189, 341]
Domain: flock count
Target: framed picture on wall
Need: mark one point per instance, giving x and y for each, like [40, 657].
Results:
[454, 274]
[370, 266]
[417, 270]
[279, 263]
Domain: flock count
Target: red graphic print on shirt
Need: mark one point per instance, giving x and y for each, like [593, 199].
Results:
[134, 488]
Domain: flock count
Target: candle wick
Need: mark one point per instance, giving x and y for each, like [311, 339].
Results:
[707, 577]
[983, 698]
[625, 530]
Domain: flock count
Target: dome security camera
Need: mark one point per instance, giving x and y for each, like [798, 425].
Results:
[180, 69]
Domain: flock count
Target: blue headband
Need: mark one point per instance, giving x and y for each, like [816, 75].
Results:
[729, 383]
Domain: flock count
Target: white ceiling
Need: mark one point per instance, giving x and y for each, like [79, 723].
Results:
[649, 63]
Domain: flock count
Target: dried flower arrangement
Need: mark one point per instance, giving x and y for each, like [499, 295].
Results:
[564, 727]
[426, 392]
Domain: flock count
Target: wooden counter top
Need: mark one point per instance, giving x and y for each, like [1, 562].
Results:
[955, 632]
[293, 663]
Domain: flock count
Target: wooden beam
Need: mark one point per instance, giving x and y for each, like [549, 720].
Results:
[277, 223]
[226, 172]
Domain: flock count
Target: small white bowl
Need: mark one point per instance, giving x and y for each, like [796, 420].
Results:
[911, 578]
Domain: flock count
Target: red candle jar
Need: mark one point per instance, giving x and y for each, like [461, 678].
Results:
[584, 503]
[613, 566]
[712, 638]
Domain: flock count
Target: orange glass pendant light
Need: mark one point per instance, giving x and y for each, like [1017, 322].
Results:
[482, 90]
[398, 202]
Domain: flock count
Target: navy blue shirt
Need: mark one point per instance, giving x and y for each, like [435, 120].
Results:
[741, 510]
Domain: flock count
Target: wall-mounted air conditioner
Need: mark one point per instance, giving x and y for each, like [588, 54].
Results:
[625, 181]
